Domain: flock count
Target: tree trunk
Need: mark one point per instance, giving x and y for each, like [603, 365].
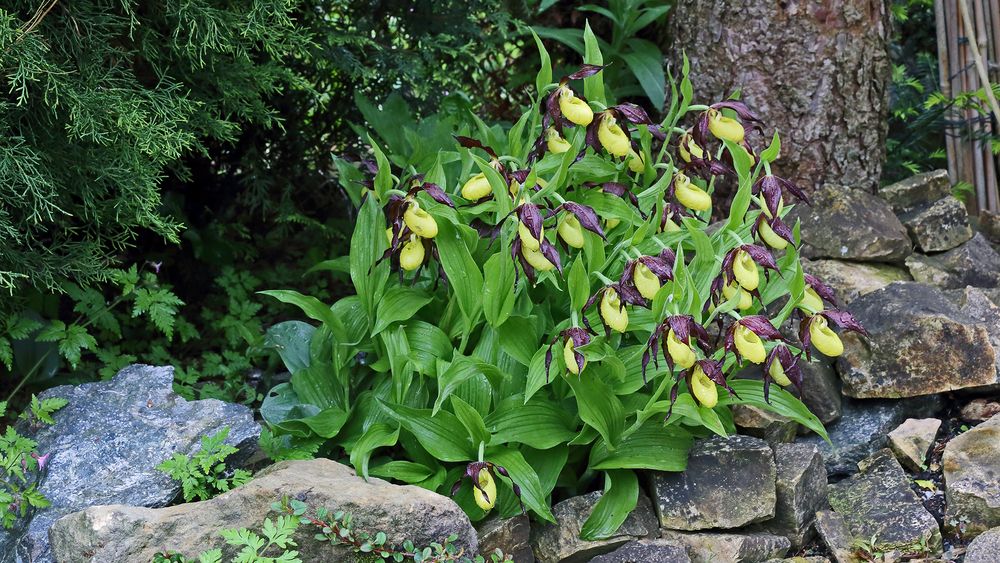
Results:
[817, 71]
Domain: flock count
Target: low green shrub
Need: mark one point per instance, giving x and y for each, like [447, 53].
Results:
[204, 474]
[22, 466]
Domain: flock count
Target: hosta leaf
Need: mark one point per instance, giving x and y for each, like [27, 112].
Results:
[621, 493]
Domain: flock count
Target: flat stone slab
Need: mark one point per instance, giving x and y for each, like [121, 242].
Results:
[985, 548]
[920, 344]
[971, 465]
[912, 440]
[107, 442]
[510, 535]
[917, 190]
[939, 226]
[728, 483]
[836, 536]
[863, 429]
[848, 224]
[878, 502]
[560, 542]
[713, 547]
[850, 280]
[129, 533]
[645, 551]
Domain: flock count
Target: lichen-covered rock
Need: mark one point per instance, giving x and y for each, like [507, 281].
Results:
[912, 440]
[971, 466]
[801, 492]
[989, 224]
[561, 543]
[836, 536]
[979, 410]
[511, 535]
[920, 344]
[850, 224]
[917, 190]
[877, 502]
[736, 547]
[973, 263]
[939, 226]
[863, 428]
[644, 551]
[128, 533]
[728, 483]
[850, 280]
[985, 548]
[980, 306]
[106, 443]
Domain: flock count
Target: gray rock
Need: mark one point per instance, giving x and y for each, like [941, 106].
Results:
[939, 226]
[801, 490]
[728, 483]
[974, 263]
[107, 442]
[512, 536]
[980, 306]
[821, 389]
[128, 533]
[560, 542]
[971, 466]
[713, 547]
[850, 280]
[800, 559]
[761, 423]
[979, 410]
[850, 224]
[917, 190]
[985, 548]
[644, 551]
[920, 344]
[863, 429]
[989, 224]
[911, 441]
[877, 502]
[836, 536]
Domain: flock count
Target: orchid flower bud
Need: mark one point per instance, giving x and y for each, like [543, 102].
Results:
[725, 128]
[811, 302]
[476, 187]
[555, 143]
[570, 231]
[419, 221]
[668, 226]
[536, 259]
[635, 162]
[823, 337]
[690, 195]
[745, 271]
[749, 344]
[570, 358]
[770, 237]
[412, 254]
[612, 311]
[529, 241]
[645, 281]
[703, 388]
[486, 493]
[611, 136]
[680, 352]
[573, 108]
[730, 289]
[777, 373]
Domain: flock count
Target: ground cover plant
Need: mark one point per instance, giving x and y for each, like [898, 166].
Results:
[551, 304]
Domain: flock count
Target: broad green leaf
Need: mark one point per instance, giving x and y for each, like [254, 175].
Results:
[461, 369]
[442, 434]
[525, 477]
[544, 76]
[645, 60]
[498, 288]
[652, 446]
[464, 274]
[428, 343]
[773, 151]
[538, 423]
[471, 420]
[593, 86]
[377, 436]
[398, 304]
[537, 378]
[283, 410]
[367, 246]
[401, 470]
[383, 177]
[579, 284]
[621, 493]
[519, 337]
[599, 406]
[751, 392]
[291, 340]
[312, 307]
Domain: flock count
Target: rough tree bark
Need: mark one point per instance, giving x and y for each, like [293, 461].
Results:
[817, 71]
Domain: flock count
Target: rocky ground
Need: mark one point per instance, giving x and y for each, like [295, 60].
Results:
[912, 472]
